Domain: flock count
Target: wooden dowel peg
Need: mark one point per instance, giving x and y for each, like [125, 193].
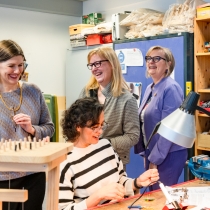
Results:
[34, 142]
[29, 138]
[10, 144]
[15, 147]
[47, 139]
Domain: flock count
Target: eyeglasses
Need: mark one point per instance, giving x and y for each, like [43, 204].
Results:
[98, 128]
[25, 65]
[96, 64]
[155, 59]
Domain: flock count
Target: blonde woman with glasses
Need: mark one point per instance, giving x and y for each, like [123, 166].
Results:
[108, 86]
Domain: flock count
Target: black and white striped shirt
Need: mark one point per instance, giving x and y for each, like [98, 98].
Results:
[86, 170]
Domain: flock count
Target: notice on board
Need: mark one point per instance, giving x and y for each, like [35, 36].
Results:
[129, 57]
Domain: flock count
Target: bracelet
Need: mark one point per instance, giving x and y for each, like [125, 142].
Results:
[135, 184]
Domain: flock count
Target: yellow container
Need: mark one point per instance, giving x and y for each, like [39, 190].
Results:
[203, 12]
[76, 29]
[203, 140]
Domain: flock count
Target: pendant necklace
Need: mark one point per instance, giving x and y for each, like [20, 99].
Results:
[14, 109]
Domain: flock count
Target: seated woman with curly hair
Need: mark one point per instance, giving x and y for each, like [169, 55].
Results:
[93, 172]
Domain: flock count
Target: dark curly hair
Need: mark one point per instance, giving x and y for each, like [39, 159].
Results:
[81, 112]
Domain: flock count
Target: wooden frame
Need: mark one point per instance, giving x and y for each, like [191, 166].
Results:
[44, 157]
[10, 195]
[201, 77]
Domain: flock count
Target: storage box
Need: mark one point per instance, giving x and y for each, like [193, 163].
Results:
[203, 11]
[76, 29]
[107, 38]
[78, 43]
[118, 32]
[203, 140]
[94, 18]
[85, 19]
[94, 39]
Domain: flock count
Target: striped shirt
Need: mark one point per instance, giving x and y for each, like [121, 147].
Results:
[33, 104]
[87, 170]
[121, 113]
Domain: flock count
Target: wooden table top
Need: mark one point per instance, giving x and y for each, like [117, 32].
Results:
[44, 153]
[158, 202]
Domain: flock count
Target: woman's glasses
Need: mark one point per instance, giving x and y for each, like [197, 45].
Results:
[98, 128]
[96, 64]
[155, 59]
[25, 65]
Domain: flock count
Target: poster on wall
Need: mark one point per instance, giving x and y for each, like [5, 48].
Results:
[135, 89]
[129, 57]
[121, 54]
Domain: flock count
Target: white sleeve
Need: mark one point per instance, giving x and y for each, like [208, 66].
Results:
[66, 192]
[124, 180]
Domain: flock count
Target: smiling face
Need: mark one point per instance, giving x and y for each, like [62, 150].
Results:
[157, 70]
[10, 71]
[87, 135]
[103, 73]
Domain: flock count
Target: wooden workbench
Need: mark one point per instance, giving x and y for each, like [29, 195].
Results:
[46, 158]
[157, 204]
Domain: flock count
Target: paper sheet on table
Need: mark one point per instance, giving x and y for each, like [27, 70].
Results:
[194, 196]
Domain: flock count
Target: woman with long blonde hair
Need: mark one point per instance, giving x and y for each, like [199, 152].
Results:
[120, 107]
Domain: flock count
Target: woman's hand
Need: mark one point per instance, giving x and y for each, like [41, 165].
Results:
[152, 166]
[25, 122]
[112, 192]
[148, 177]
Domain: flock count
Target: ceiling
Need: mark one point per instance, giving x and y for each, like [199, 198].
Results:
[63, 7]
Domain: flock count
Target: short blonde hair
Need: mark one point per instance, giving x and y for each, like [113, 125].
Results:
[168, 56]
[118, 83]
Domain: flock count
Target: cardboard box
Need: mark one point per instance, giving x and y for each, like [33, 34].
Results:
[203, 11]
[94, 18]
[85, 19]
[203, 140]
[76, 29]
[78, 43]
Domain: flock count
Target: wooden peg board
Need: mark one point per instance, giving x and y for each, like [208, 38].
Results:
[46, 157]
[41, 153]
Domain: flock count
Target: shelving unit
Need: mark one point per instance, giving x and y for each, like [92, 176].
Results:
[202, 77]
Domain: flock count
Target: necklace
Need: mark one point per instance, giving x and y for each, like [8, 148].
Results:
[14, 109]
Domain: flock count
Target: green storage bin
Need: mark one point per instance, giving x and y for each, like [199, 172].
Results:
[51, 102]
